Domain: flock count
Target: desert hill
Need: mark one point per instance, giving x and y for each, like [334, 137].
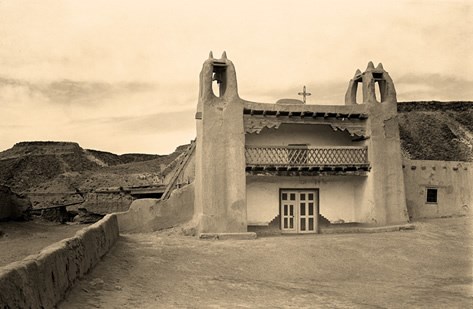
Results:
[433, 130]
[65, 167]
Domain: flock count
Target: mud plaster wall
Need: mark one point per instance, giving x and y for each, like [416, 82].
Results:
[453, 181]
[41, 280]
[314, 135]
[149, 215]
[384, 189]
[337, 194]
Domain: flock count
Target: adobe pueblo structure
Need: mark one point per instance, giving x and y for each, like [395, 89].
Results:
[293, 166]
[290, 167]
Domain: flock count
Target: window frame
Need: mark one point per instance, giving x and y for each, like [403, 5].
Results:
[427, 195]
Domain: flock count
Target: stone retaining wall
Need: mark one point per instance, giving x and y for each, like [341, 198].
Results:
[42, 280]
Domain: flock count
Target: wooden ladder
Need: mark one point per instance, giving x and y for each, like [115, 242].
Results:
[178, 170]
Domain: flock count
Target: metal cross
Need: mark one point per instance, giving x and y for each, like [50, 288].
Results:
[304, 94]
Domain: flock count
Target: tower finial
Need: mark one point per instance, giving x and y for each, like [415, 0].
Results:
[211, 55]
[370, 66]
[380, 66]
[358, 72]
[224, 55]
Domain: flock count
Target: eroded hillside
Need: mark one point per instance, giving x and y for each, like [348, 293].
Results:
[66, 167]
[436, 130]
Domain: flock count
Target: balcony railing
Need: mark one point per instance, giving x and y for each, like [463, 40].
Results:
[306, 157]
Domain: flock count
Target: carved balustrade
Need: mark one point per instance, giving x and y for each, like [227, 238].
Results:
[306, 156]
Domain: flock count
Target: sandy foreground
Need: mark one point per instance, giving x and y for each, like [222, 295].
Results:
[429, 267]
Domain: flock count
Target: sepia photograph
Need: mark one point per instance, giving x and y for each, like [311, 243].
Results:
[236, 154]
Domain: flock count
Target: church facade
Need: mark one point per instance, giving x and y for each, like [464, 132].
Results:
[293, 166]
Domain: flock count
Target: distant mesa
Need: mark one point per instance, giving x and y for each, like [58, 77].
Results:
[45, 143]
[45, 147]
[289, 101]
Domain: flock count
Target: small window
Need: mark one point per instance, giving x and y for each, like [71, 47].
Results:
[378, 76]
[432, 195]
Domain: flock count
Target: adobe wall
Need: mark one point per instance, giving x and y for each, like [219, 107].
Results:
[453, 181]
[149, 215]
[314, 135]
[337, 194]
[41, 280]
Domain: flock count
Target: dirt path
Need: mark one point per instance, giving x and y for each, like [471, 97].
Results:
[430, 267]
[20, 239]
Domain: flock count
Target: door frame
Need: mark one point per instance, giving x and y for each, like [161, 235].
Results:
[296, 211]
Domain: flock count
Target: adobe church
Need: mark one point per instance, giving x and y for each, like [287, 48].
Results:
[294, 167]
[257, 162]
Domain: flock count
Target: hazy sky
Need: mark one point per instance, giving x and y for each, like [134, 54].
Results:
[122, 76]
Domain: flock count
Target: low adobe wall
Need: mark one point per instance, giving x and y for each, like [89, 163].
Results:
[149, 215]
[453, 181]
[41, 280]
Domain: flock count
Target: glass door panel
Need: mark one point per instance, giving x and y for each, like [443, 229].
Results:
[288, 211]
[299, 211]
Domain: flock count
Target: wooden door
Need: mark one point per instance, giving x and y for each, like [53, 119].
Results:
[308, 212]
[288, 211]
[299, 211]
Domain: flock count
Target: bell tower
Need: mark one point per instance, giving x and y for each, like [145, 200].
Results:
[368, 80]
[220, 184]
[384, 198]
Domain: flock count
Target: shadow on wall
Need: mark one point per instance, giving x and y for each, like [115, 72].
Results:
[149, 215]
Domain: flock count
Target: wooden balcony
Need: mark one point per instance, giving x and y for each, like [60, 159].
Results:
[306, 159]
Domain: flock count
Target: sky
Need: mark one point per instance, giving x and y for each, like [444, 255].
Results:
[122, 75]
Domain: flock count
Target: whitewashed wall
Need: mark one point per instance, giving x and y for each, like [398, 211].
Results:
[338, 196]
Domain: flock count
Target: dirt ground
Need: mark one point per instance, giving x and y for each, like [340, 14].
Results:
[428, 267]
[20, 239]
